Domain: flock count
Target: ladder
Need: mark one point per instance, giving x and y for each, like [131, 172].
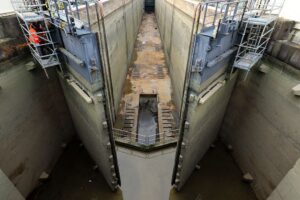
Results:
[34, 25]
[257, 28]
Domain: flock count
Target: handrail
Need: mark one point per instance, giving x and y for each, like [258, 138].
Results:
[141, 135]
[145, 140]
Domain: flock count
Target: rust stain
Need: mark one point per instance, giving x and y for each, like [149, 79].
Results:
[11, 49]
[148, 72]
[127, 87]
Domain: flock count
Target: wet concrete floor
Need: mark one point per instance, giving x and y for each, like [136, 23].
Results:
[144, 176]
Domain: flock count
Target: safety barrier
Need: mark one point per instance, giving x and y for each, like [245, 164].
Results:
[135, 139]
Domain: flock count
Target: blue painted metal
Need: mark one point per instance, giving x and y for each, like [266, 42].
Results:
[214, 43]
[84, 48]
[213, 52]
[213, 37]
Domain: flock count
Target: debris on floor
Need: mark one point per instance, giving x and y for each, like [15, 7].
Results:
[247, 178]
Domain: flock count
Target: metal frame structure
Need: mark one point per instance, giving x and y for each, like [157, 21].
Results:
[215, 23]
[213, 14]
[145, 141]
[31, 11]
[66, 15]
[258, 26]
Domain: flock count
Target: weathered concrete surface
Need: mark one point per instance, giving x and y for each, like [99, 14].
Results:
[34, 122]
[122, 28]
[175, 19]
[7, 21]
[262, 125]
[122, 20]
[219, 178]
[148, 74]
[74, 178]
[7, 190]
[91, 125]
[204, 121]
[285, 44]
[288, 188]
[12, 41]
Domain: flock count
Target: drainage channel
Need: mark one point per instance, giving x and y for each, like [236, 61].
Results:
[147, 119]
[147, 115]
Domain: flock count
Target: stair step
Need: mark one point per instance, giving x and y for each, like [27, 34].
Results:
[129, 118]
[128, 125]
[128, 122]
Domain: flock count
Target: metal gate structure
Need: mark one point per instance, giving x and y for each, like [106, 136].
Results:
[226, 34]
[87, 80]
[206, 89]
[86, 76]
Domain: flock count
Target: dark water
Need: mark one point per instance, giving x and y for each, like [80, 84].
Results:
[147, 121]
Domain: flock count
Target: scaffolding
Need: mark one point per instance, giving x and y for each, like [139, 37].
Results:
[31, 15]
[258, 25]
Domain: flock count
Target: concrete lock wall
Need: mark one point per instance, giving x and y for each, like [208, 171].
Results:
[204, 122]
[122, 20]
[122, 26]
[12, 41]
[34, 123]
[89, 120]
[262, 125]
[175, 20]
[284, 44]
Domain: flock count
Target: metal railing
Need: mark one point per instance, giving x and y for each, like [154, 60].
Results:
[70, 15]
[135, 139]
[258, 26]
[34, 25]
[260, 8]
[210, 15]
